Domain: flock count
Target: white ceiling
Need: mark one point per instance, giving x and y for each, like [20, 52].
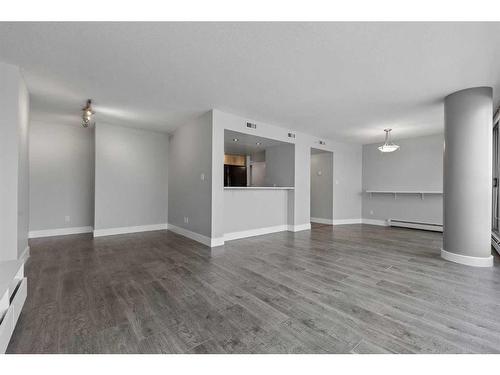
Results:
[346, 81]
[246, 144]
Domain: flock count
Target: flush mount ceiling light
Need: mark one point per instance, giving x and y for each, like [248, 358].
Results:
[235, 139]
[87, 114]
[388, 146]
[258, 143]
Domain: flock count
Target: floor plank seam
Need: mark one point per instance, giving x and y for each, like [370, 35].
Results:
[355, 346]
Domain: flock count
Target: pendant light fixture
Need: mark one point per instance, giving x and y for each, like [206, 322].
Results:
[388, 146]
[87, 114]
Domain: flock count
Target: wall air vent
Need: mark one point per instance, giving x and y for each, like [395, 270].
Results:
[251, 125]
[291, 135]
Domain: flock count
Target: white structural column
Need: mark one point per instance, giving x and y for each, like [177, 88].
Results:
[468, 177]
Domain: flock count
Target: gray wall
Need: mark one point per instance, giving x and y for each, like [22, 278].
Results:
[254, 209]
[299, 208]
[61, 175]
[258, 156]
[258, 168]
[190, 157]
[258, 173]
[347, 193]
[14, 205]
[347, 171]
[322, 185]
[417, 165]
[9, 154]
[130, 177]
[23, 187]
[280, 165]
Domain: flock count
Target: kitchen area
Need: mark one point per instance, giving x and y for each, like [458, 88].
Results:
[258, 184]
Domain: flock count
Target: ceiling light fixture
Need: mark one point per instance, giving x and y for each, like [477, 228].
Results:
[87, 114]
[388, 146]
[258, 143]
[235, 139]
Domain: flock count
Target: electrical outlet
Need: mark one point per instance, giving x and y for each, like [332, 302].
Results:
[67, 219]
[186, 219]
[202, 176]
[371, 212]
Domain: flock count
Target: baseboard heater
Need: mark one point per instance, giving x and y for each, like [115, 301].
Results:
[416, 225]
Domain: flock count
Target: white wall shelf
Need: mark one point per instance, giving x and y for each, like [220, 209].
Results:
[422, 193]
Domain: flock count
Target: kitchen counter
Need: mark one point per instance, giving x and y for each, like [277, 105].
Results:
[254, 210]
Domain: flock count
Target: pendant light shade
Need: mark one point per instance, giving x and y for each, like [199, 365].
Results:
[388, 146]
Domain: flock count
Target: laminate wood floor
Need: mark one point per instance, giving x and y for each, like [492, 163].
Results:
[342, 289]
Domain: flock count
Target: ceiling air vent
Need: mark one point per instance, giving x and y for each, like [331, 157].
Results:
[291, 135]
[251, 125]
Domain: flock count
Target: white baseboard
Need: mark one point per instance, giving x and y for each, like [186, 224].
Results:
[266, 230]
[382, 223]
[58, 232]
[25, 255]
[214, 242]
[335, 221]
[346, 221]
[320, 220]
[123, 230]
[467, 260]
[299, 227]
[254, 232]
[205, 240]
